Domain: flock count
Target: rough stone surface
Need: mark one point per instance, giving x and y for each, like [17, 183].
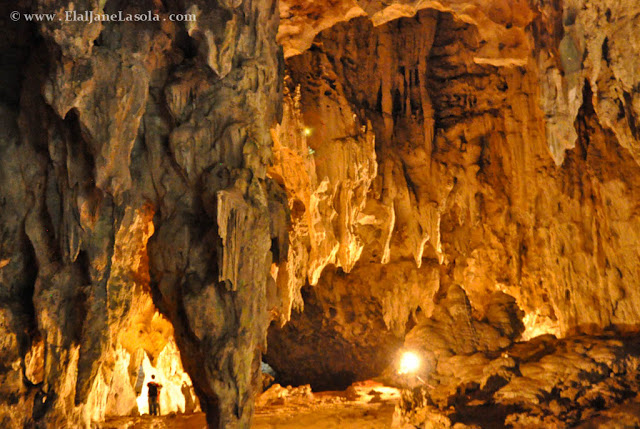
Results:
[506, 162]
[436, 165]
[541, 383]
[133, 161]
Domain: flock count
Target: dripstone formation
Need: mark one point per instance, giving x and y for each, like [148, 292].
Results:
[133, 165]
[458, 173]
[505, 153]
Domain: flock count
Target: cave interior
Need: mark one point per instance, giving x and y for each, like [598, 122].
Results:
[337, 214]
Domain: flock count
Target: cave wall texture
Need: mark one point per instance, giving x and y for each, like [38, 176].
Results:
[411, 147]
[133, 168]
[506, 147]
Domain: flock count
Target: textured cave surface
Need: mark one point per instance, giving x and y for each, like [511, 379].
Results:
[474, 185]
[324, 183]
[133, 174]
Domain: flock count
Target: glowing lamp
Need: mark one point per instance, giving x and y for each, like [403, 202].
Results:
[409, 363]
[306, 132]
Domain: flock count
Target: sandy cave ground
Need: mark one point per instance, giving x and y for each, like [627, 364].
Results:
[366, 405]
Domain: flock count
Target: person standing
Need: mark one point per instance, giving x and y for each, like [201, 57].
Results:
[153, 393]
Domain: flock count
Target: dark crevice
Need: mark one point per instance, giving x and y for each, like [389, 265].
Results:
[80, 297]
[631, 116]
[605, 51]
[26, 292]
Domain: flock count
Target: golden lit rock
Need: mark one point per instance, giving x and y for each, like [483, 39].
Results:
[319, 186]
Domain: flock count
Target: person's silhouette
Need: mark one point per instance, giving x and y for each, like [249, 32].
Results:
[189, 403]
[153, 393]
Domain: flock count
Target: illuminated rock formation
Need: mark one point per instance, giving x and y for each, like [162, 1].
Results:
[500, 167]
[422, 164]
[541, 383]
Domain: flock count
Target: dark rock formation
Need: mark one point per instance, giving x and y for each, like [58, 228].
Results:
[338, 339]
[115, 132]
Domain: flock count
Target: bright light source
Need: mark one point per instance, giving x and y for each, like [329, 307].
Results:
[306, 132]
[409, 363]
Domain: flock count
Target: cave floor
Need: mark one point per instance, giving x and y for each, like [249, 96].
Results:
[365, 405]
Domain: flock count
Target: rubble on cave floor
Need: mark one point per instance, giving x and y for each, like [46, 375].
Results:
[466, 370]
[365, 405]
[474, 374]
[581, 381]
